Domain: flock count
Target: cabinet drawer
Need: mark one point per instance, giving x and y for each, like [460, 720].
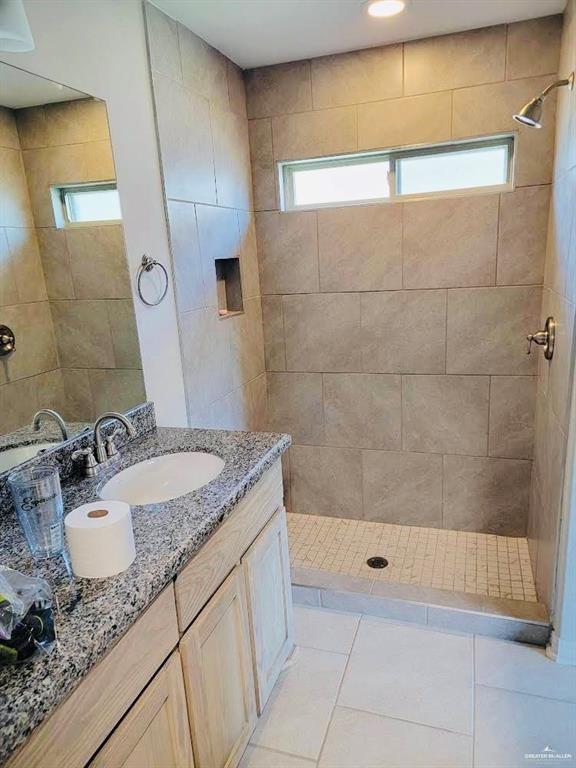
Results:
[80, 725]
[208, 569]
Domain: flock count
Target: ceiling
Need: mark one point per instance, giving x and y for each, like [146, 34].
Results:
[20, 89]
[257, 32]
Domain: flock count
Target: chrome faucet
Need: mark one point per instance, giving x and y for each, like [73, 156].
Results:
[106, 452]
[48, 413]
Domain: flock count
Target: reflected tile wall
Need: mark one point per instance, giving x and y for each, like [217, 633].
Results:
[395, 333]
[204, 143]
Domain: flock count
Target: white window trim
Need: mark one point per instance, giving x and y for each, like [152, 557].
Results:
[285, 170]
[58, 195]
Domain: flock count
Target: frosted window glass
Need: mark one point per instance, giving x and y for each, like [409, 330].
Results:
[482, 167]
[92, 204]
[341, 183]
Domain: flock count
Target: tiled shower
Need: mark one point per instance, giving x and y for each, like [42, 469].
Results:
[394, 334]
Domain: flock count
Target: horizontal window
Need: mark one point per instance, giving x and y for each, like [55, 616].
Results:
[425, 171]
[86, 204]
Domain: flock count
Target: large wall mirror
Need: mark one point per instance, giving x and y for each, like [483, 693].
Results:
[65, 292]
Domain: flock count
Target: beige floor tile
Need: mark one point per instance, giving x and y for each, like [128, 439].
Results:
[523, 668]
[363, 740]
[257, 757]
[298, 712]
[511, 725]
[325, 630]
[427, 677]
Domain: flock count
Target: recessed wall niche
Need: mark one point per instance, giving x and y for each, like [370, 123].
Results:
[229, 287]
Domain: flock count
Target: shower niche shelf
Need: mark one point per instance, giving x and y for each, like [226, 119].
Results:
[229, 287]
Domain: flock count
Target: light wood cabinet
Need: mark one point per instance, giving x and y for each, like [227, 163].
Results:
[155, 732]
[217, 664]
[267, 573]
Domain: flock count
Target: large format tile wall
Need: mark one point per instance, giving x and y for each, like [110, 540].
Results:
[30, 378]
[202, 128]
[555, 380]
[85, 268]
[395, 333]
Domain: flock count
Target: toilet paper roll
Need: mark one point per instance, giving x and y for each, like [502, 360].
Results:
[100, 539]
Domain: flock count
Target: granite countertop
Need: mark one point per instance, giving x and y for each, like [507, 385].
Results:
[94, 614]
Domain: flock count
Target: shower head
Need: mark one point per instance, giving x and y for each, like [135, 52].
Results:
[531, 113]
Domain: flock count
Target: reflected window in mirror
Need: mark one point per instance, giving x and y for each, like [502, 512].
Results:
[83, 204]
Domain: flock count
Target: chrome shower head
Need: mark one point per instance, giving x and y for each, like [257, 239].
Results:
[531, 113]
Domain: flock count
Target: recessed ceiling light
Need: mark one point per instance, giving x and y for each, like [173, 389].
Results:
[382, 8]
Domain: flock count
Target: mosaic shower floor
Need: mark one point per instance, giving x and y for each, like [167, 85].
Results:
[476, 563]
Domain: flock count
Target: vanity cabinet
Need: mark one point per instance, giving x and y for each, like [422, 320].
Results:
[155, 731]
[217, 664]
[267, 572]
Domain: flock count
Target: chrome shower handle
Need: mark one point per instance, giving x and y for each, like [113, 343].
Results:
[544, 339]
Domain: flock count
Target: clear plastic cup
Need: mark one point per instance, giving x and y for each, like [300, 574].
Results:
[38, 501]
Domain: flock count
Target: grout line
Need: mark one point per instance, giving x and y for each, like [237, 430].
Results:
[278, 751]
[403, 720]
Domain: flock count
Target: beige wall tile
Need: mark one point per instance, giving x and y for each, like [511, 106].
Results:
[287, 252]
[25, 257]
[124, 333]
[279, 89]
[460, 252]
[535, 159]
[99, 161]
[203, 68]
[185, 142]
[76, 122]
[402, 122]
[247, 343]
[262, 161]
[512, 406]
[561, 376]
[566, 111]
[36, 351]
[445, 414]
[98, 262]
[312, 134]
[8, 285]
[14, 201]
[236, 88]
[360, 248]
[533, 47]
[356, 77]
[79, 405]
[402, 488]
[560, 260]
[326, 481]
[487, 330]
[32, 127]
[489, 495]
[322, 332]
[295, 406]
[50, 390]
[404, 331]
[8, 130]
[363, 410]
[231, 159]
[185, 246]
[55, 262]
[248, 255]
[273, 320]
[116, 390]
[18, 402]
[522, 236]
[219, 239]
[163, 43]
[454, 61]
[83, 335]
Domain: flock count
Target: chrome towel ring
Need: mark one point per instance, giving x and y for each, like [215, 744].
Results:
[147, 265]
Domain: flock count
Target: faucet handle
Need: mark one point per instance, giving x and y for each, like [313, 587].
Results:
[89, 463]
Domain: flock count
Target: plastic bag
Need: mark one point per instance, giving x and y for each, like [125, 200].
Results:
[26, 617]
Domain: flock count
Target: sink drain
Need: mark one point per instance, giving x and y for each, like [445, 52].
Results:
[377, 562]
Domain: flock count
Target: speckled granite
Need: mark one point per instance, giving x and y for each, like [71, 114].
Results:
[95, 613]
[49, 431]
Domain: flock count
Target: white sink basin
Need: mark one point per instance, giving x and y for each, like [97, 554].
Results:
[163, 478]
[12, 456]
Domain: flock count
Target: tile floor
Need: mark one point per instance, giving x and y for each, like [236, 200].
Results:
[477, 563]
[362, 692]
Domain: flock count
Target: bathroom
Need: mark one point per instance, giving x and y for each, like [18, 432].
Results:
[324, 458]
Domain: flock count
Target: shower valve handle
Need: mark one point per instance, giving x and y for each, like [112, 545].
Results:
[540, 338]
[544, 339]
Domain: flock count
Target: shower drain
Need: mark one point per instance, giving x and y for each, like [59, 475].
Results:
[377, 562]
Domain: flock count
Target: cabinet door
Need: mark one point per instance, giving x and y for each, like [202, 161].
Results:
[155, 732]
[267, 571]
[217, 665]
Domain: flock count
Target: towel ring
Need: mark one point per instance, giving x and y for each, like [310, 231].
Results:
[147, 265]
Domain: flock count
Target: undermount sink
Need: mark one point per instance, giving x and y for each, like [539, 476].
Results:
[12, 456]
[163, 478]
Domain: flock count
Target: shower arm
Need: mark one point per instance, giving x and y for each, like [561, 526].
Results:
[558, 84]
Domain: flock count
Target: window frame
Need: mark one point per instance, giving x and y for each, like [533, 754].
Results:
[60, 205]
[286, 169]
